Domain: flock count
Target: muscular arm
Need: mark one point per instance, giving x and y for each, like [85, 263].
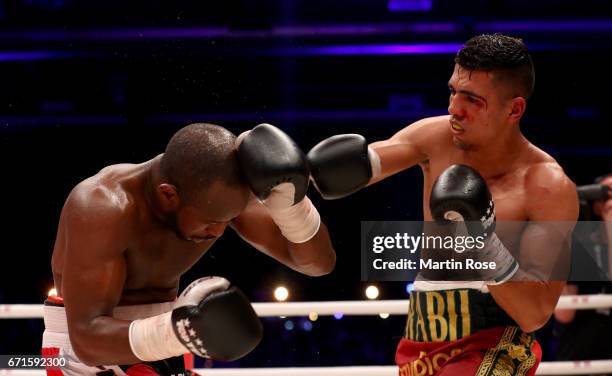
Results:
[406, 148]
[93, 278]
[552, 197]
[315, 257]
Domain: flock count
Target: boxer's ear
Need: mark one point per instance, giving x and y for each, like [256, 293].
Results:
[517, 108]
[168, 196]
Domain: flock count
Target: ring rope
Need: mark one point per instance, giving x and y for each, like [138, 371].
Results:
[393, 307]
[584, 367]
[356, 307]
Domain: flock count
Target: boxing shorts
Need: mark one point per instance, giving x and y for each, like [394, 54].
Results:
[463, 332]
[56, 342]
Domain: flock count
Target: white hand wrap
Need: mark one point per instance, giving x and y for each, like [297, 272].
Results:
[153, 338]
[298, 223]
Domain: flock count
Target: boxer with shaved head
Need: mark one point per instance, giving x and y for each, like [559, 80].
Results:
[128, 233]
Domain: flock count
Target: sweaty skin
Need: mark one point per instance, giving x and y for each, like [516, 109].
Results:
[116, 245]
[482, 131]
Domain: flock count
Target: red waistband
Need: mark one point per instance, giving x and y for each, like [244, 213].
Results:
[54, 299]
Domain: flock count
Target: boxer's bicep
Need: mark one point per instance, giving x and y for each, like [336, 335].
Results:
[552, 209]
[404, 149]
[545, 244]
[396, 154]
[94, 273]
[91, 286]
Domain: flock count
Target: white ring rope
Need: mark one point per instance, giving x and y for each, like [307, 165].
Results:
[547, 368]
[584, 367]
[393, 307]
[357, 307]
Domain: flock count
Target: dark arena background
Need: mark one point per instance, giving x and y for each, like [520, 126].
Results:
[86, 84]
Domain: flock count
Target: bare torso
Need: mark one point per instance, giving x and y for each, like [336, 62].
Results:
[155, 257]
[125, 237]
[507, 185]
[527, 186]
[512, 179]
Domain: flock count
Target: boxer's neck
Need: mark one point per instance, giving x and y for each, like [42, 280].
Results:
[152, 180]
[498, 158]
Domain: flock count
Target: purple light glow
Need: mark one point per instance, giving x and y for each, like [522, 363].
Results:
[410, 5]
[282, 31]
[391, 49]
[33, 55]
[295, 31]
[436, 27]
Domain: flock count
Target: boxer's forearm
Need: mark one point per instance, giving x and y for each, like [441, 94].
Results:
[530, 304]
[315, 257]
[102, 341]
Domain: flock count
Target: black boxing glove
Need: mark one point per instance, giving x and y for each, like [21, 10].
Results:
[342, 164]
[269, 157]
[277, 172]
[210, 320]
[460, 194]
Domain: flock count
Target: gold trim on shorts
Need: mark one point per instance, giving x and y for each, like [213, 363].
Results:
[512, 356]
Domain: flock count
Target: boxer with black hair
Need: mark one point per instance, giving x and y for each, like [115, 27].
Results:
[459, 327]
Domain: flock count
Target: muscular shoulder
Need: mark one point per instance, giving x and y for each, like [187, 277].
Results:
[97, 207]
[426, 128]
[426, 134]
[551, 195]
[97, 194]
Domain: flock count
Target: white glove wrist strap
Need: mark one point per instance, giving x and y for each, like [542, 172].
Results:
[153, 338]
[374, 162]
[298, 223]
[506, 264]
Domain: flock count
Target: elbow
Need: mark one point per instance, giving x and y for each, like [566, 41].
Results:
[319, 268]
[328, 266]
[87, 360]
[534, 322]
[320, 272]
[82, 348]
[85, 356]
[539, 316]
[530, 327]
